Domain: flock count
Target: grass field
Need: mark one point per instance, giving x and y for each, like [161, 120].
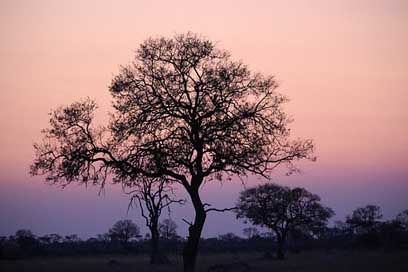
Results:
[307, 261]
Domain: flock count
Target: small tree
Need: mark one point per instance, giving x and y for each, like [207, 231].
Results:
[25, 238]
[365, 224]
[24, 235]
[123, 231]
[27, 241]
[282, 209]
[402, 219]
[152, 196]
[168, 229]
[365, 219]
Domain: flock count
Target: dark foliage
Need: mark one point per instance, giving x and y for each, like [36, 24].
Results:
[283, 210]
[123, 231]
[391, 236]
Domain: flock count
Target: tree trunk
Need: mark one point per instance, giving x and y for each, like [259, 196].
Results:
[191, 247]
[156, 257]
[280, 253]
[154, 254]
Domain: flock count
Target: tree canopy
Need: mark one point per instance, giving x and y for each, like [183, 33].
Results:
[364, 219]
[282, 210]
[183, 109]
[124, 230]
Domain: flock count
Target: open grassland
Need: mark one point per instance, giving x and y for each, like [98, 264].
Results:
[306, 261]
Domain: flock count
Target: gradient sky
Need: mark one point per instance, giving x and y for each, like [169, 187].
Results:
[343, 64]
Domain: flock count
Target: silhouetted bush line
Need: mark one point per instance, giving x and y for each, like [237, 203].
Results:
[12, 248]
[362, 230]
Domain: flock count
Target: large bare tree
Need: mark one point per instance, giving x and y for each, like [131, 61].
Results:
[184, 110]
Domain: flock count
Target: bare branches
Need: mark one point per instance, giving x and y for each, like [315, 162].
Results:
[180, 97]
[188, 223]
[220, 210]
[230, 119]
[215, 209]
[153, 195]
[184, 111]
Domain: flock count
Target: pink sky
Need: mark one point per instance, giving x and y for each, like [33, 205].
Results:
[343, 64]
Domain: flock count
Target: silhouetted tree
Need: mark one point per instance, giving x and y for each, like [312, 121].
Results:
[402, 220]
[365, 225]
[3, 241]
[184, 110]
[153, 195]
[25, 238]
[26, 241]
[168, 229]
[364, 219]
[282, 209]
[123, 231]
[24, 234]
[390, 234]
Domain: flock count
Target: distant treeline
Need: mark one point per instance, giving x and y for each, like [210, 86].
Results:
[364, 229]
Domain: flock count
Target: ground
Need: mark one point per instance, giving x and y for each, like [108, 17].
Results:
[303, 262]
